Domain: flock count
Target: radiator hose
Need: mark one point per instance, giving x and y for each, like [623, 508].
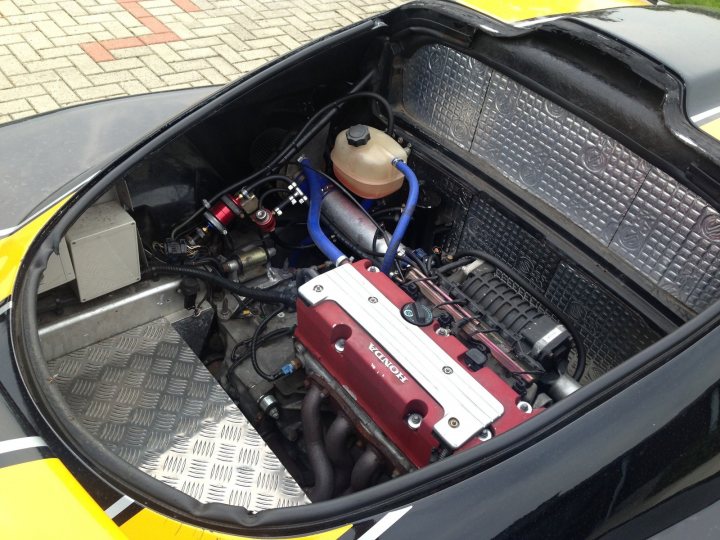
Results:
[405, 217]
[321, 240]
[286, 297]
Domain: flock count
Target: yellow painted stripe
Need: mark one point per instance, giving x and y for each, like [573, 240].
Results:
[41, 500]
[518, 10]
[149, 525]
[712, 128]
[14, 247]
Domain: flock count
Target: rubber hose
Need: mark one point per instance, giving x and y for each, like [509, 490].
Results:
[321, 240]
[536, 294]
[270, 377]
[271, 178]
[405, 217]
[268, 297]
[317, 456]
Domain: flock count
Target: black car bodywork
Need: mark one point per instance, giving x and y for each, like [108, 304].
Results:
[628, 456]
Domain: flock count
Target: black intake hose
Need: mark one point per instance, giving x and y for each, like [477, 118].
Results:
[261, 295]
[364, 469]
[319, 461]
[336, 442]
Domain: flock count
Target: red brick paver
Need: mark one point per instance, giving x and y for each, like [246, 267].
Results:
[99, 50]
[55, 53]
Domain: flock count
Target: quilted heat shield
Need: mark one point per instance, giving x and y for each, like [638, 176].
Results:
[667, 233]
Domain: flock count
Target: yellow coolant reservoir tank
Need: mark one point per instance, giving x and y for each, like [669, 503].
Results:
[362, 160]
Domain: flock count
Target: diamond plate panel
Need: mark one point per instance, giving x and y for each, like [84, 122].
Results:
[445, 89]
[672, 236]
[561, 159]
[148, 399]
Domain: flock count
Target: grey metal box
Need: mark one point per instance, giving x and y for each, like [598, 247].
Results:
[104, 250]
[59, 269]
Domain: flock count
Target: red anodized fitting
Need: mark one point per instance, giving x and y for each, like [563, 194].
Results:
[223, 212]
[265, 220]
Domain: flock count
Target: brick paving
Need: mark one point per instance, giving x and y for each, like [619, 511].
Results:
[55, 53]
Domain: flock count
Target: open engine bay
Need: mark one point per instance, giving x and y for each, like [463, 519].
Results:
[360, 304]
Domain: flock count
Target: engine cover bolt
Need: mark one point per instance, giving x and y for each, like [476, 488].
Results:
[524, 406]
[373, 300]
[485, 434]
[340, 345]
[373, 269]
[414, 420]
[442, 332]
[447, 370]
[318, 288]
[454, 422]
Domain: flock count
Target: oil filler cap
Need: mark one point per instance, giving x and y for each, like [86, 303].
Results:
[417, 314]
[358, 135]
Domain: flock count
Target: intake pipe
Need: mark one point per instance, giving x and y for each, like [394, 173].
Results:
[319, 461]
[352, 222]
[321, 240]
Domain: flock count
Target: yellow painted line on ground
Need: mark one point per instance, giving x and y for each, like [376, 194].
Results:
[42, 500]
[149, 525]
[14, 247]
[517, 10]
[712, 128]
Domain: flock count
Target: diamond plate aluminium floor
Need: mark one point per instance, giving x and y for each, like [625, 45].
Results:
[149, 400]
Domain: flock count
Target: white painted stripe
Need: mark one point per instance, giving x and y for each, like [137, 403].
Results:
[540, 20]
[704, 115]
[384, 524]
[489, 30]
[118, 506]
[11, 230]
[22, 443]
[5, 307]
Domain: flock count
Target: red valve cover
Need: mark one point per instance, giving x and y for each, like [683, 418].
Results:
[379, 384]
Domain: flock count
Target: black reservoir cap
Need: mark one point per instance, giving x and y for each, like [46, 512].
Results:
[358, 135]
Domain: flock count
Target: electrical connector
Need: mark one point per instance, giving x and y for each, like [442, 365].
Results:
[287, 369]
[175, 250]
